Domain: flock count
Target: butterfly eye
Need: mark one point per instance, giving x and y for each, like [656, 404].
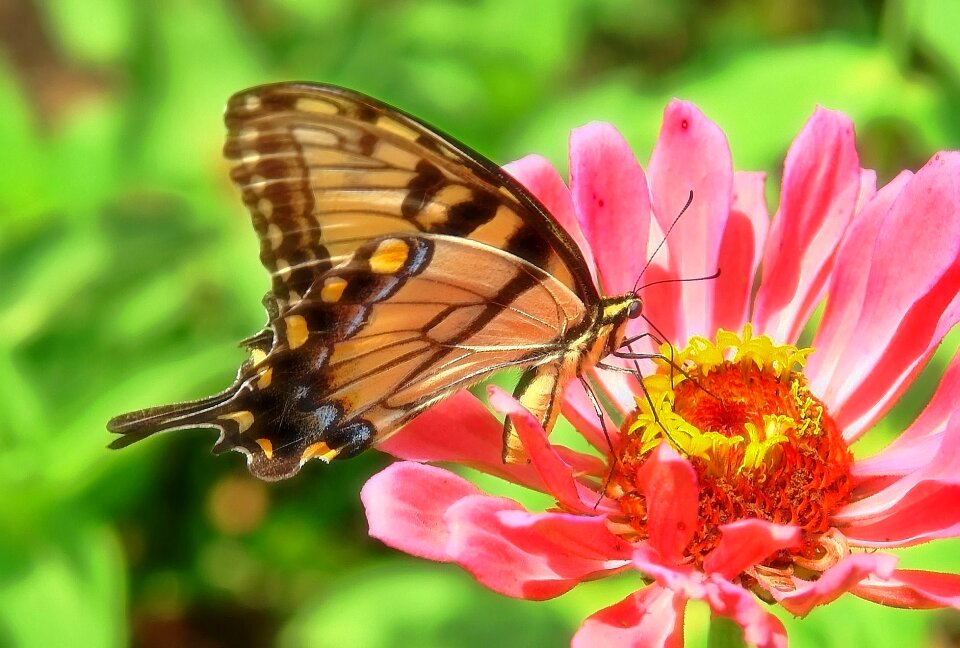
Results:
[634, 309]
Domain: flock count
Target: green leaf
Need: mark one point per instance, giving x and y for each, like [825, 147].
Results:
[407, 603]
[68, 593]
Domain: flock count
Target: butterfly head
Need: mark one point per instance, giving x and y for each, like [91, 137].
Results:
[615, 313]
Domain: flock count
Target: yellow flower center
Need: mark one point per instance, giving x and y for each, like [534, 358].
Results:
[762, 445]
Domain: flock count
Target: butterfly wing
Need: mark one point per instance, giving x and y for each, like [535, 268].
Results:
[324, 170]
[330, 176]
[401, 323]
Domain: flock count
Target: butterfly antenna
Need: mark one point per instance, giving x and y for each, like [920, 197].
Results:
[663, 240]
[713, 275]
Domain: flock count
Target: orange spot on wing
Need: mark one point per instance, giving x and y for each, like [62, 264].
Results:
[267, 447]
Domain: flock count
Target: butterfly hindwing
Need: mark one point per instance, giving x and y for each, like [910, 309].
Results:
[324, 170]
[378, 339]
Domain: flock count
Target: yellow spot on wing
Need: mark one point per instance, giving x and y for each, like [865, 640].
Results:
[319, 449]
[332, 289]
[274, 234]
[257, 356]
[389, 256]
[265, 378]
[267, 447]
[317, 106]
[395, 127]
[297, 332]
[265, 207]
[453, 194]
[256, 182]
[315, 137]
[244, 419]
[395, 156]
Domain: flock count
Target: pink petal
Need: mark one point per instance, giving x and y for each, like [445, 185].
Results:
[912, 449]
[912, 589]
[505, 558]
[821, 183]
[760, 628]
[612, 202]
[460, 430]
[669, 484]
[692, 154]
[725, 598]
[648, 618]
[877, 471]
[868, 188]
[835, 581]
[542, 180]
[567, 534]
[582, 464]
[740, 251]
[405, 505]
[555, 473]
[837, 336]
[929, 510]
[746, 543]
[749, 199]
[913, 291]
[680, 578]
[922, 505]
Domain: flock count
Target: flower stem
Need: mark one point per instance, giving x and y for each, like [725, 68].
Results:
[724, 633]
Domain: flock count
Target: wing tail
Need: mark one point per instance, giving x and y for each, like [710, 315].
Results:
[138, 425]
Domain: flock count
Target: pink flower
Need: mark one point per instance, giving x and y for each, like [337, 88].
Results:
[738, 481]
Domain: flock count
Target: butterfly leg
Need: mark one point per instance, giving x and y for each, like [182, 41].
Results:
[616, 368]
[598, 409]
[650, 356]
[661, 335]
[636, 338]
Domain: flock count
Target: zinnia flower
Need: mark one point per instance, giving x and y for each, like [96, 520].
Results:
[731, 479]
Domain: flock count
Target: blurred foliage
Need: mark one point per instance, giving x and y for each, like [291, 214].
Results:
[129, 271]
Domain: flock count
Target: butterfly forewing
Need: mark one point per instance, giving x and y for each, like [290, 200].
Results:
[324, 170]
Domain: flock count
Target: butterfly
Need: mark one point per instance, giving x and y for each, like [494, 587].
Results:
[404, 267]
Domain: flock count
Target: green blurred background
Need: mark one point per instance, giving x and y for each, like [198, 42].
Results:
[129, 271]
